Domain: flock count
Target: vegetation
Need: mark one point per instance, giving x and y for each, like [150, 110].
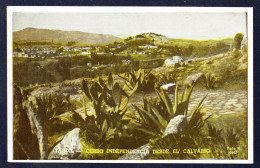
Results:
[142, 78]
[45, 70]
[164, 78]
[106, 113]
[155, 114]
[211, 144]
[237, 40]
[105, 126]
[209, 81]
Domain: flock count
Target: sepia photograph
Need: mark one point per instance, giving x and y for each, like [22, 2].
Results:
[130, 84]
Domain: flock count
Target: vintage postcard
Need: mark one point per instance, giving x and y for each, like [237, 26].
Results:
[130, 85]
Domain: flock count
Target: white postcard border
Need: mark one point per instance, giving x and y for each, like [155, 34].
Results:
[59, 9]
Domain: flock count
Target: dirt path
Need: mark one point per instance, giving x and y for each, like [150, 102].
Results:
[218, 102]
[221, 102]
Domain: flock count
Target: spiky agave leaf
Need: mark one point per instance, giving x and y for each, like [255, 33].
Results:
[116, 93]
[197, 121]
[110, 81]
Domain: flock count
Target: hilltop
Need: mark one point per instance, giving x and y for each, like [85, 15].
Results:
[34, 34]
[149, 37]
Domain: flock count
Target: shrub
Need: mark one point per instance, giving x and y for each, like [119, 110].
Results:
[209, 81]
[144, 79]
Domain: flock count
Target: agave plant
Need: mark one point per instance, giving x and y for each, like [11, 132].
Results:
[231, 138]
[165, 78]
[209, 81]
[105, 123]
[144, 79]
[213, 131]
[197, 120]
[50, 107]
[44, 115]
[156, 113]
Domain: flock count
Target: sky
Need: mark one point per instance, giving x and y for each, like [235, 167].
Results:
[200, 26]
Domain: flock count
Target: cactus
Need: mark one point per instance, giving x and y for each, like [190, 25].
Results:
[109, 102]
[144, 79]
[157, 112]
[165, 78]
[209, 81]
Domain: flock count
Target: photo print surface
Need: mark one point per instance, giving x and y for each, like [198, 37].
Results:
[130, 85]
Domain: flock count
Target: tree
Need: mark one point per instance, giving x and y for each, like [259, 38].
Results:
[237, 40]
[60, 49]
[70, 43]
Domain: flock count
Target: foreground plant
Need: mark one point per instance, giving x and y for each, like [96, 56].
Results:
[170, 77]
[44, 114]
[157, 112]
[144, 79]
[209, 142]
[209, 81]
[103, 123]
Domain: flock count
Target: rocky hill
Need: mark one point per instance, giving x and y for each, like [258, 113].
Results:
[157, 37]
[34, 34]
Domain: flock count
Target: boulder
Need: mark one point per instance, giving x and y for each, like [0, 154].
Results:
[196, 77]
[176, 125]
[170, 87]
[174, 62]
[244, 58]
[169, 62]
[69, 148]
[177, 59]
[37, 125]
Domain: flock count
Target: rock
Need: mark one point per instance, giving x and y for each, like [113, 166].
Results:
[243, 62]
[157, 37]
[169, 63]
[37, 125]
[176, 125]
[69, 148]
[140, 153]
[196, 77]
[170, 87]
[177, 59]
[174, 62]
[244, 59]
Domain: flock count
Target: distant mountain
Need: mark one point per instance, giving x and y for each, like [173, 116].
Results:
[34, 34]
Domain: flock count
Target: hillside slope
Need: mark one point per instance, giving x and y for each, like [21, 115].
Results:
[33, 34]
